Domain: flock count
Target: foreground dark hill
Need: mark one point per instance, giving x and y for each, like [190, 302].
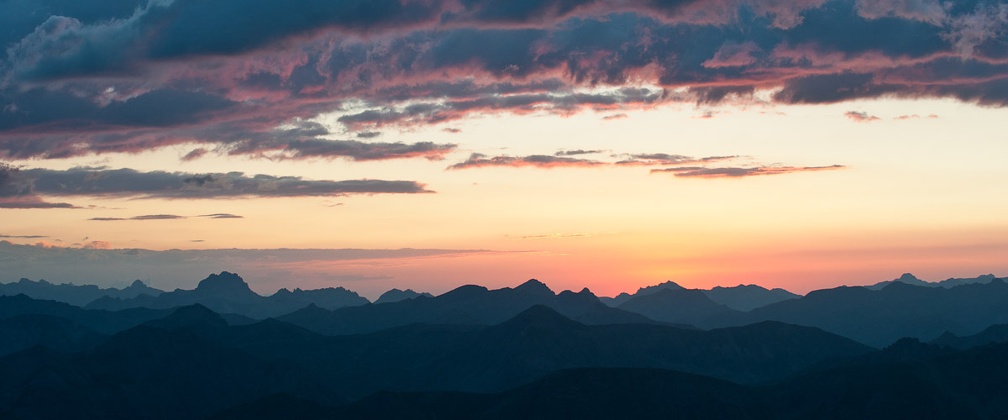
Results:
[144, 372]
[466, 305]
[969, 384]
[192, 362]
[880, 317]
[991, 335]
[78, 295]
[105, 322]
[532, 344]
[23, 332]
[228, 293]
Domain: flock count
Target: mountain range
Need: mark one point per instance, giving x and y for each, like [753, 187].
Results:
[192, 362]
[228, 293]
[877, 315]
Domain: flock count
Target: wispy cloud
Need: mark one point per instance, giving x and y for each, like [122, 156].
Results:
[577, 152]
[861, 116]
[737, 172]
[143, 217]
[221, 216]
[665, 159]
[27, 185]
[477, 160]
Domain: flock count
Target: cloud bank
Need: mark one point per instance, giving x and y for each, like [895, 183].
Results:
[126, 76]
[26, 187]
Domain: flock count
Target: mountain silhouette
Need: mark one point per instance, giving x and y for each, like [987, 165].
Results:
[101, 321]
[683, 306]
[466, 305]
[739, 298]
[78, 295]
[145, 372]
[746, 297]
[229, 293]
[957, 385]
[190, 362]
[396, 295]
[646, 290]
[994, 334]
[540, 340]
[23, 332]
[585, 393]
[880, 317]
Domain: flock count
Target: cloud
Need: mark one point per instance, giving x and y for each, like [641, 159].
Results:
[195, 154]
[477, 160]
[916, 116]
[143, 217]
[559, 236]
[23, 236]
[577, 152]
[31, 202]
[101, 262]
[97, 245]
[861, 116]
[665, 159]
[30, 184]
[737, 172]
[222, 216]
[98, 77]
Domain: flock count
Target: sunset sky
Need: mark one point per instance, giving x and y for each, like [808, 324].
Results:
[427, 144]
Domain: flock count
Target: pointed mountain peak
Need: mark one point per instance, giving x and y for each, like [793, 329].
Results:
[535, 287]
[908, 278]
[224, 283]
[538, 315]
[671, 285]
[195, 315]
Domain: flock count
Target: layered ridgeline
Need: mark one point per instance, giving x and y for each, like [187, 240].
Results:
[876, 315]
[191, 363]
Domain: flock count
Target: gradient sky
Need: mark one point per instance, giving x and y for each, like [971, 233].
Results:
[426, 144]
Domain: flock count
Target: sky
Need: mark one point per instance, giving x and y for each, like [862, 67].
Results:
[428, 144]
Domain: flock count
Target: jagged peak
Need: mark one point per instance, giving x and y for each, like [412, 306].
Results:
[224, 282]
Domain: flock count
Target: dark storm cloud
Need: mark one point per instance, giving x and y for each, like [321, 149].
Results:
[33, 183]
[119, 76]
